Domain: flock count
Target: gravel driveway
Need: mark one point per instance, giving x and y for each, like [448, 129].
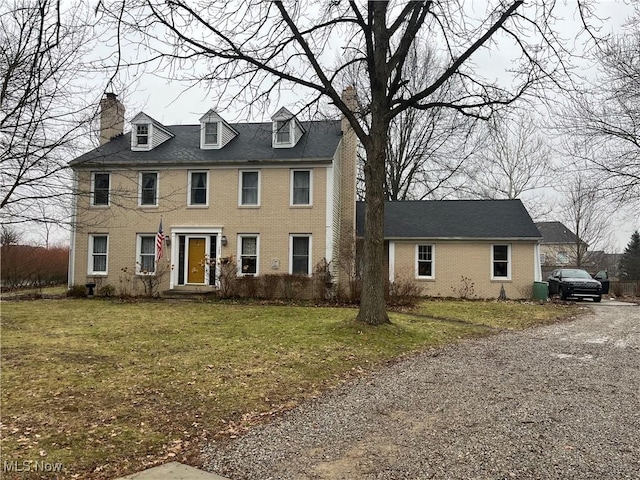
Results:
[557, 402]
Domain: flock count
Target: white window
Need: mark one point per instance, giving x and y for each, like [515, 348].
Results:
[248, 253]
[543, 258]
[146, 254]
[148, 189]
[100, 184]
[283, 132]
[424, 261]
[301, 187]
[142, 134]
[198, 188]
[211, 133]
[98, 248]
[300, 255]
[501, 262]
[562, 258]
[249, 188]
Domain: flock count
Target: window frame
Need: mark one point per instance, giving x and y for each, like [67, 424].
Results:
[189, 186]
[292, 187]
[93, 190]
[139, 135]
[282, 126]
[432, 261]
[309, 237]
[508, 262]
[241, 237]
[93, 254]
[241, 188]
[205, 143]
[139, 253]
[141, 188]
[562, 258]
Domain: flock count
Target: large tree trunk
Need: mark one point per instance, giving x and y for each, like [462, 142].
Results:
[372, 300]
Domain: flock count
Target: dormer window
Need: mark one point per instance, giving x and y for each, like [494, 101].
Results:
[283, 132]
[215, 133]
[142, 134]
[287, 130]
[211, 133]
[147, 133]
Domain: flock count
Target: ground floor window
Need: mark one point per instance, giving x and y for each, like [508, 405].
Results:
[146, 253]
[248, 254]
[501, 259]
[98, 248]
[424, 261]
[300, 248]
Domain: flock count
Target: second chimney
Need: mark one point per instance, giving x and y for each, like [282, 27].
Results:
[111, 118]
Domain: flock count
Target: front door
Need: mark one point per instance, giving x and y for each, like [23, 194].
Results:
[196, 260]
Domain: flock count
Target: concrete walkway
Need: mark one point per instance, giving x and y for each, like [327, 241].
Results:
[173, 471]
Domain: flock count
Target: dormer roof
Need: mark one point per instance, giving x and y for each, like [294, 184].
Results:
[215, 132]
[156, 133]
[287, 130]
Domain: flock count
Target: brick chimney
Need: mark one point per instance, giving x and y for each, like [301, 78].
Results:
[111, 118]
[345, 236]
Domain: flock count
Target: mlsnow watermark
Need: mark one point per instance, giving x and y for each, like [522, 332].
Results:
[41, 466]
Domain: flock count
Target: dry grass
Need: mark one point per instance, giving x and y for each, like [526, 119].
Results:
[109, 388]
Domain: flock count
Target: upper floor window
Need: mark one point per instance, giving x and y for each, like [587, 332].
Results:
[248, 254]
[211, 133]
[501, 262]
[283, 131]
[146, 253]
[100, 191]
[142, 134]
[424, 261]
[198, 182]
[98, 248]
[250, 188]
[149, 188]
[300, 260]
[301, 193]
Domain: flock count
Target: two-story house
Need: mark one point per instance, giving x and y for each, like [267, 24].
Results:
[279, 198]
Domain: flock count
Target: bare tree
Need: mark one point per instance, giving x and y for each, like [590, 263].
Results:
[426, 148]
[513, 160]
[254, 49]
[604, 118]
[584, 212]
[43, 115]
[9, 236]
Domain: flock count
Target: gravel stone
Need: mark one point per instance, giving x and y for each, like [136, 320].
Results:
[554, 402]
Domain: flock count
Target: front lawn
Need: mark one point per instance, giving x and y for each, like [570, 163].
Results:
[108, 388]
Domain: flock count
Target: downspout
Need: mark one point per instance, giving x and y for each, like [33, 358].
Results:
[74, 225]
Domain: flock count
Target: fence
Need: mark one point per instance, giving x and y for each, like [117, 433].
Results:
[625, 288]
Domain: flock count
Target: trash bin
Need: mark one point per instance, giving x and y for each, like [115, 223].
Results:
[540, 290]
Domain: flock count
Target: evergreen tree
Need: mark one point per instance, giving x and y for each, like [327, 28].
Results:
[630, 261]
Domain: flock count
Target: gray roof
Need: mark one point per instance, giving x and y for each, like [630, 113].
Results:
[556, 232]
[252, 144]
[474, 219]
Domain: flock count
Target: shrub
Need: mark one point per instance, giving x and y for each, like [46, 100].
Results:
[248, 286]
[403, 292]
[271, 286]
[465, 289]
[77, 291]
[107, 290]
[228, 278]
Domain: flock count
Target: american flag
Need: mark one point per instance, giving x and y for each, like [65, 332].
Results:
[159, 242]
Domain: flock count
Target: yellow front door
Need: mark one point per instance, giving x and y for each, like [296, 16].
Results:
[196, 261]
